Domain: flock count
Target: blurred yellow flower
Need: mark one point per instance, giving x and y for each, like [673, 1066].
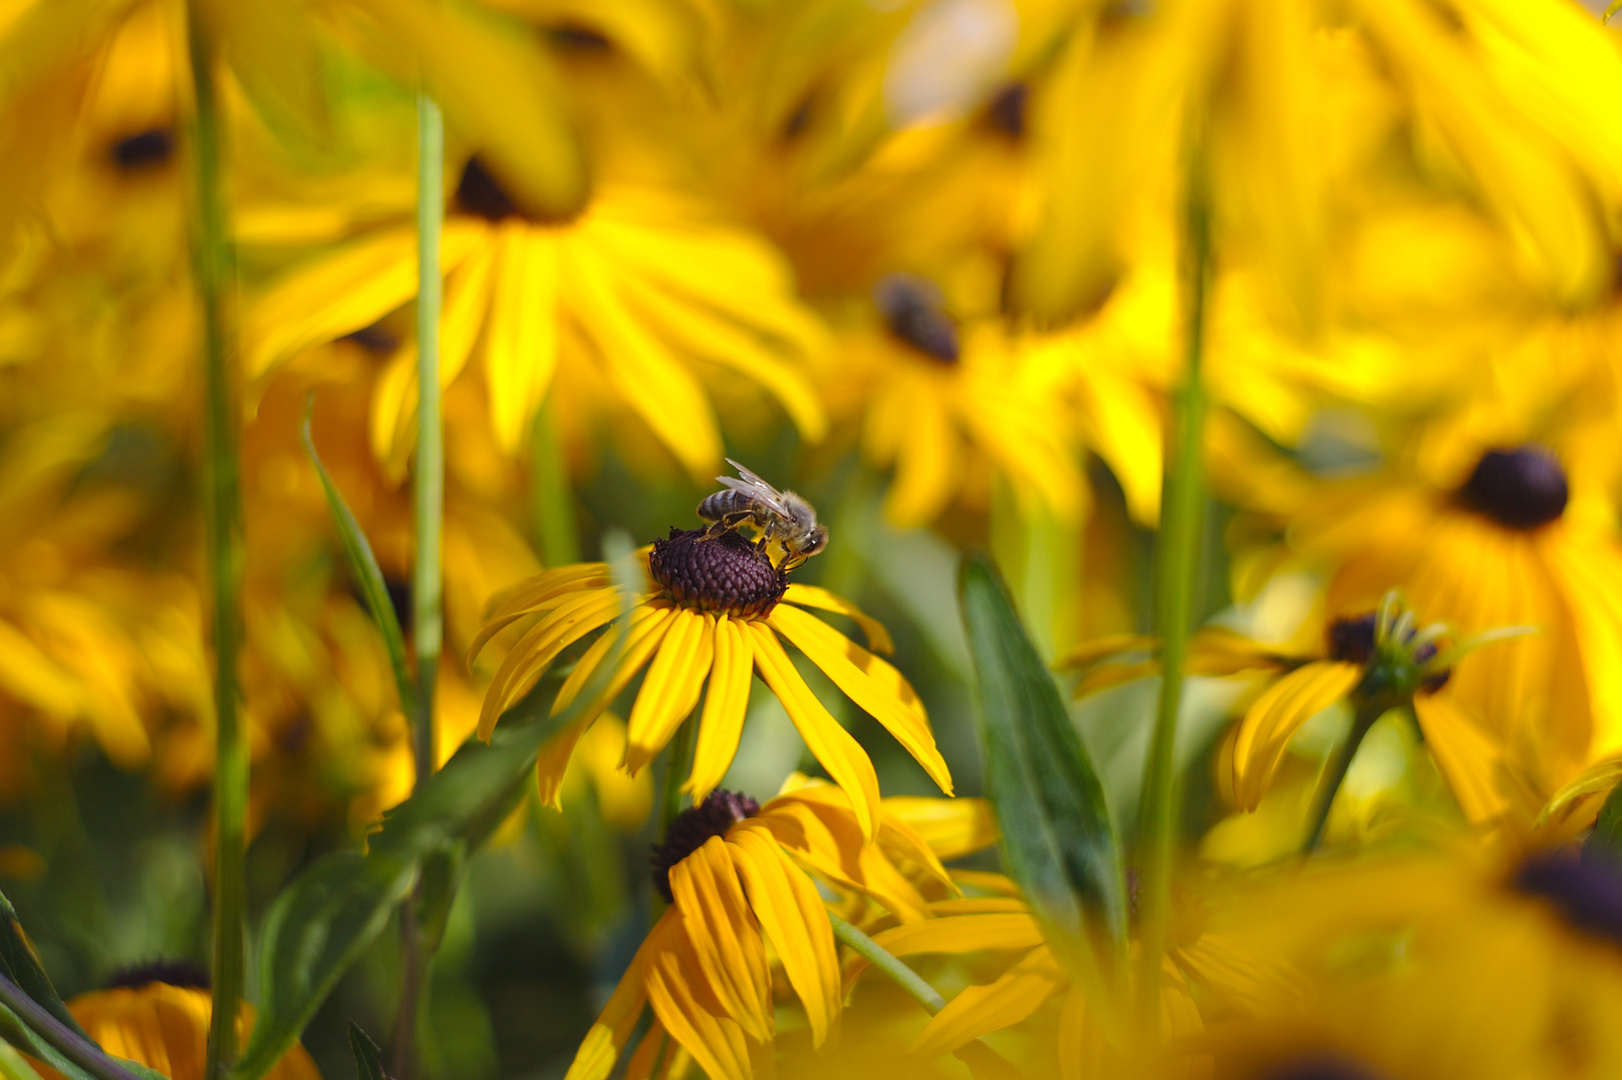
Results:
[715, 616]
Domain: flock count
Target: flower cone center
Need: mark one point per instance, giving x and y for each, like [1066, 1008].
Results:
[914, 312]
[726, 573]
[693, 828]
[1586, 891]
[1519, 489]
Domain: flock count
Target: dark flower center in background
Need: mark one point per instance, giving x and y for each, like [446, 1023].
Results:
[144, 150]
[187, 974]
[1352, 639]
[1320, 1067]
[915, 312]
[727, 573]
[480, 194]
[1587, 891]
[1007, 110]
[692, 829]
[1520, 489]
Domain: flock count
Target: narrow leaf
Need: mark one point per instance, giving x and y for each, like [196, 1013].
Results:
[368, 1058]
[21, 965]
[363, 567]
[1605, 842]
[26, 1025]
[1057, 836]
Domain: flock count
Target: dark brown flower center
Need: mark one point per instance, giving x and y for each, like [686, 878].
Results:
[1352, 639]
[481, 194]
[1520, 489]
[1007, 110]
[693, 828]
[187, 974]
[915, 312]
[1586, 891]
[144, 150]
[728, 572]
[1324, 1066]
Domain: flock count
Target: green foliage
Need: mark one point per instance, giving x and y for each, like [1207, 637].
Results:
[22, 966]
[1606, 839]
[368, 1059]
[367, 574]
[1057, 835]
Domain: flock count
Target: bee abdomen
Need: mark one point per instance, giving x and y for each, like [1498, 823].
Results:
[719, 505]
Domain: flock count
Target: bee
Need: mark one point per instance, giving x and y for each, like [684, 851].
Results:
[783, 518]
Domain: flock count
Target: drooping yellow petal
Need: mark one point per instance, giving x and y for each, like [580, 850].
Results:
[843, 661]
[953, 935]
[791, 912]
[534, 595]
[818, 828]
[901, 845]
[1575, 806]
[688, 1008]
[671, 687]
[521, 347]
[643, 632]
[726, 703]
[952, 828]
[980, 1010]
[878, 638]
[829, 743]
[724, 935]
[553, 760]
[1469, 760]
[1277, 715]
[540, 645]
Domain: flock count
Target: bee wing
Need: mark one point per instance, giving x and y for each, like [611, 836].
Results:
[754, 486]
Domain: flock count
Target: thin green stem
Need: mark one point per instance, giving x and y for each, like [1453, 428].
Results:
[67, 1042]
[1176, 565]
[427, 587]
[1340, 762]
[550, 497]
[427, 582]
[677, 765]
[222, 544]
[903, 976]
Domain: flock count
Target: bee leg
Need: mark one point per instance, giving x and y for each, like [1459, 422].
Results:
[727, 523]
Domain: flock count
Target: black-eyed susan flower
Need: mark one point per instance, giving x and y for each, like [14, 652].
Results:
[716, 615]
[1494, 545]
[158, 1015]
[644, 290]
[738, 876]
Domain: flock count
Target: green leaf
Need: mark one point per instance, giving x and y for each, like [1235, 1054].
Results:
[363, 567]
[1605, 842]
[368, 1059]
[1057, 836]
[26, 1025]
[324, 920]
[22, 966]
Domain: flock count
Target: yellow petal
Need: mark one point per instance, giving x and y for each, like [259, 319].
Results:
[671, 688]
[954, 935]
[952, 828]
[724, 935]
[1468, 759]
[829, 743]
[845, 662]
[1277, 715]
[553, 761]
[726, 703]
[980, 1010]
[534, 595]
[521, 349]
[643, 632]
[533, 653]
[685, 1005]
[791, 912]
[878, 638]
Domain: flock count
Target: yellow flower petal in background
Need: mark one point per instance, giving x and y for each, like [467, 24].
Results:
[521, 346]
[951, 827]
[1277, 715]
[979, 1010]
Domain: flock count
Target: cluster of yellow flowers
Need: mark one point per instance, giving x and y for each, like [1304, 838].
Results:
[977, 266]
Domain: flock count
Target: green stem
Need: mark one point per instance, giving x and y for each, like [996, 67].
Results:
[1176, 565]
[550, 496]
[428, 512]
[903, 976]
[77, 1049]
[1335, 772]
[222, 543]
[677, 765]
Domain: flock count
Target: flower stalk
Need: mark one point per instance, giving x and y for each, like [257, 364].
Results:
[427, 581]
[902, 975]
[1176, 567]
[222, 544]
[1340, 762]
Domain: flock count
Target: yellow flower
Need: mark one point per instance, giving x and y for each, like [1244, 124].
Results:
[163, 1024]
[1301, 106]
[646, 288]
[714, 616]
[737, 876]
[1494, 547]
